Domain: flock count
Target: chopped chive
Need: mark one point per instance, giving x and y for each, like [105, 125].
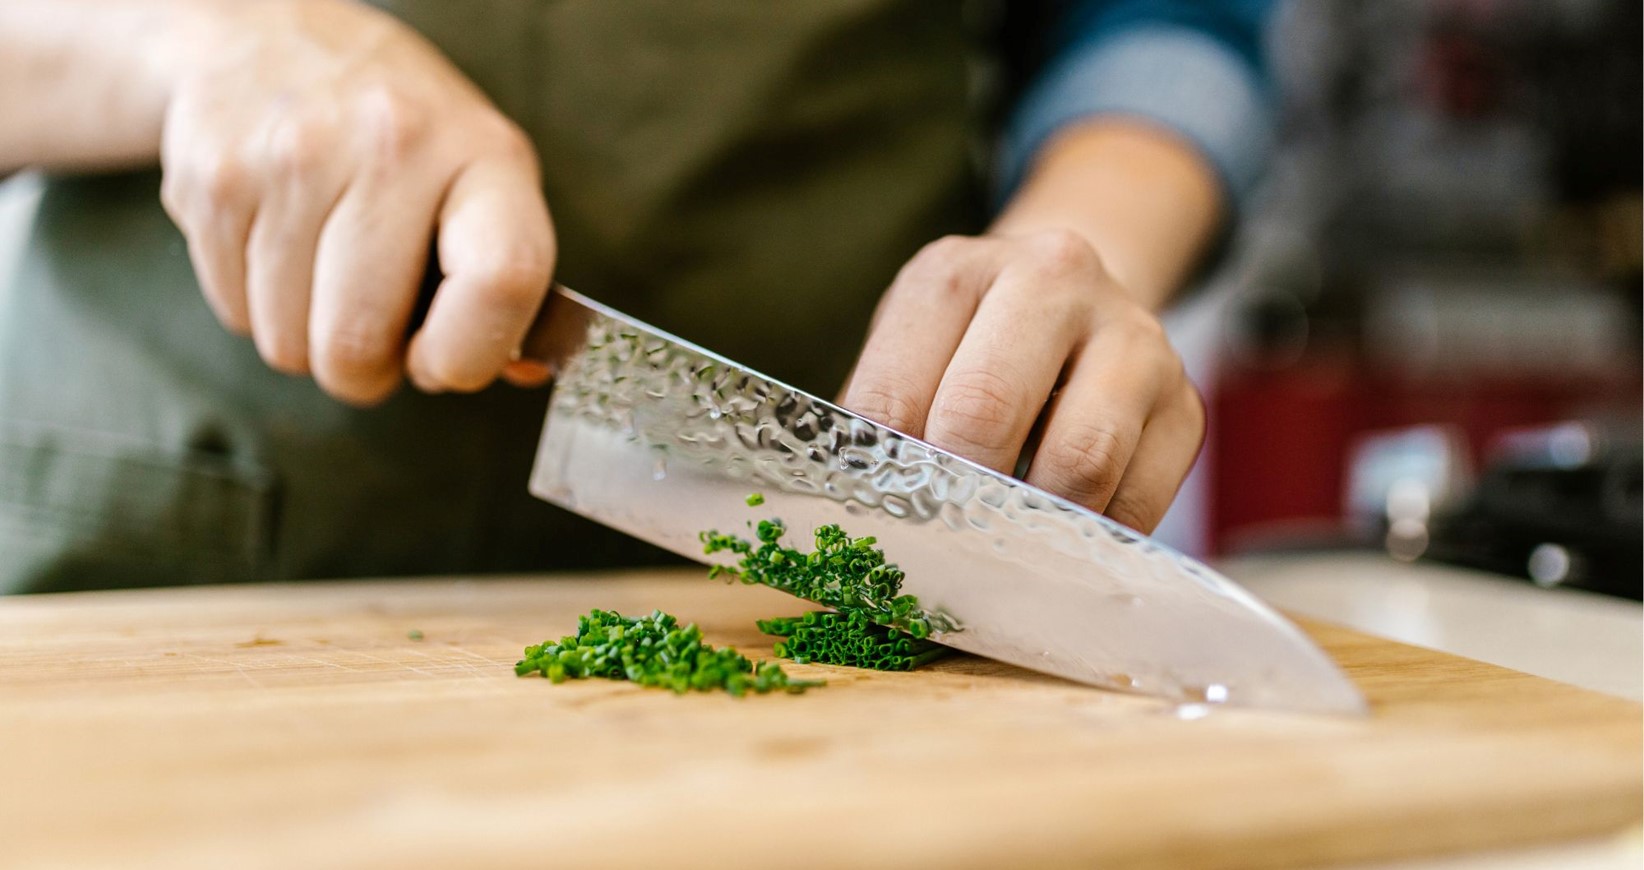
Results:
[842, 573]
[652, 651]
[870, 621]
[848, 638]
[870, 625]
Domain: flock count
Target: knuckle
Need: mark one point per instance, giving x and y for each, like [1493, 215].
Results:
[1143, 328]
[453, 367]
[935, 266]
[1158, 353]
[1134, 511]
[1171, 362]
[514, 281]
[220, 179]
[238, 324]
[513, 143]
[975, 410]
[298, 146]
[361, 391]
[944, 286]
[459, 378]
[945, 249]
[1192, 401]
[888, 404]
[287, 354]
[1064, 252]
[1146, 345]
[171, 197]
[232, 318]
[1198, 418]
[352, 355]
[395, 124]
[230, 312]
[362, 395]
[1086, 463]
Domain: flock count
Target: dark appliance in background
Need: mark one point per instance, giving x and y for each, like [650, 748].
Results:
[1451, 238]
[1559, 506]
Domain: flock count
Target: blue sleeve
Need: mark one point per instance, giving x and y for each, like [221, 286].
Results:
[1192, 66]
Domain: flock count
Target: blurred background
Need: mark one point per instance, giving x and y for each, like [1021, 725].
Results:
[1424, 340]
[1426, 337]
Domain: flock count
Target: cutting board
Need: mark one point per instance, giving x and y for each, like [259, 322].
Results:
[302, 725]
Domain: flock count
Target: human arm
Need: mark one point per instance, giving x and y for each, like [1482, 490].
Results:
[83, 83]
[1050, 317]
[311, 150]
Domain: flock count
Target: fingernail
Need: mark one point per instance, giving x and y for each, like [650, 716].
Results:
[528, 373]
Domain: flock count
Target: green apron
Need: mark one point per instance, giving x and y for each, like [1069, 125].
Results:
[749, 175]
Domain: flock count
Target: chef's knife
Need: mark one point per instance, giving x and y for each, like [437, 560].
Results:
[662, 439]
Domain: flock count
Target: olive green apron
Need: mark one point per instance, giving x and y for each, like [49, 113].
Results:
[749, 175]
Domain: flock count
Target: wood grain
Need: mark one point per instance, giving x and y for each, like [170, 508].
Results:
[301, 726]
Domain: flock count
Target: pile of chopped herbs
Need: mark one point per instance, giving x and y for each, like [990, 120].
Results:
[653, 651]
[848, 638]
[844, 573]
[871, 624]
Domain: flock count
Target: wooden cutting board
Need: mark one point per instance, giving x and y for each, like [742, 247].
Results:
[303, 726]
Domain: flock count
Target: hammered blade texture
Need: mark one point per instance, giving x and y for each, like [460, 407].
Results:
[663, 440]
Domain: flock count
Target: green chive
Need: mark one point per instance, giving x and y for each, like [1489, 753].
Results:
[651, 651]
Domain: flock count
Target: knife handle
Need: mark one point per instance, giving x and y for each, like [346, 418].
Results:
[559, 329]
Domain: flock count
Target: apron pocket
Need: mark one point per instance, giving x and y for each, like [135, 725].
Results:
[82, 509]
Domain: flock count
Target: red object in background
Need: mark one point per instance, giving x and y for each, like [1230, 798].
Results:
[1281, 437]
[1464, 79]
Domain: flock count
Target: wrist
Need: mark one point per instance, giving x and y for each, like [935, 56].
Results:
[185, 35]
[1144, 199]
[200, 37]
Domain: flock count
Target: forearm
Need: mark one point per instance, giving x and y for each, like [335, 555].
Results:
[84, 83]
[1147, 201]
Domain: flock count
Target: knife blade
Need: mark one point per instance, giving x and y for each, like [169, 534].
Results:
[661, 439]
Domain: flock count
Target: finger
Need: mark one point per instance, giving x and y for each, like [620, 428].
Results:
[1093, 426]
[1008, 362]
[217, 250]
[916, 330]
[496, 248]
[1168, 449]
[370, 263]
[210, 195]
[280, 272]
[210, 198]
[302, 181]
